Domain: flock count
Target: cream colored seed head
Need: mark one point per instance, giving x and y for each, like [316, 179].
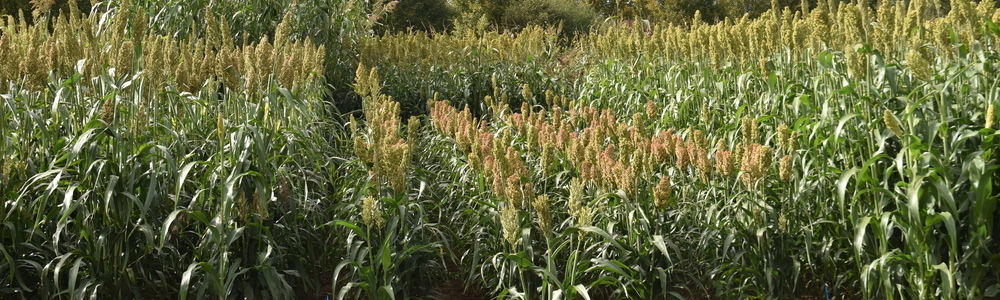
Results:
[990, 115]
[40, 7]
[892, 123]
[793, 141]
[108, 110]
[371, 212]
[783, 135]
[919, 63]
[413, 130]
[526, 93]
[585, 217]
[542, 206]
[785, 168]
[661, 193]
[724, 163]
[510, 224]
[575, 195]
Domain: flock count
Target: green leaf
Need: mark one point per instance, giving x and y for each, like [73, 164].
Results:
[913, 197]
[845, 178]
[389, 291]
[840, 125]
[658, 242]
[166, 225]
[186, 280]
[826, 59]
[607, 236]
[520, 259]
[947, 280]
[73, 274]
[992, 27]
[949, 224]
[357, 230]
[859, 234]
[179, 185]
[582, 290]
[993, 290]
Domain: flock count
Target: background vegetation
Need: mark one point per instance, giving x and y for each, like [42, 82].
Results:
[535, 149]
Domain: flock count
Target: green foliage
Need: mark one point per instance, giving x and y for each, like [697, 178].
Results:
[16, 7]
[13, 7]
[738, 8]
[423, 15]
[537, 174]
[115, 188]
[574, 16]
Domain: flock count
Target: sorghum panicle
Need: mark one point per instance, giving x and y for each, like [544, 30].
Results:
[892, 123]
[661, 193]
[542, 206]
[371, 212]
[785, 168]
[510, 224]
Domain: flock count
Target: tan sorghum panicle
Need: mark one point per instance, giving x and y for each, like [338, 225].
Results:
[547, 158]
[527, 191]
[510, 224]
[990, 115]
[941, 31]
[526, 94]
[738, 152]
[514, 192]
[371, 212]
[747, 129]
[140, 120]
[40, 7]
[785, 168]
[763, 66]
[724, 163]
[651, 112]
[720, 144]
[397, 176]
[986, 8]
[575, 196]
[542, 205]
[413, 131]
[496, 87]
[626, 179]
[783, 134]
[856, 62]
[259, 207]
[7, 167]
[699, 139]
[793, 141]
[892, 123]
[240, 206]
[682, 156]
[756, 161]
[820, 32]
[108, 110]
[661, 193]
[638, 121]
[919, 62]
[550, 99]
[585, 217]
[703, 163]
[499, 182]
[588, 172]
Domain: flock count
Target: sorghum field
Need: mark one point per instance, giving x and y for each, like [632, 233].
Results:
[296, 149]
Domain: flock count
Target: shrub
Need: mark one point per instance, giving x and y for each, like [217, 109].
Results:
[575, 16]
[14, 7]
[424, 15]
